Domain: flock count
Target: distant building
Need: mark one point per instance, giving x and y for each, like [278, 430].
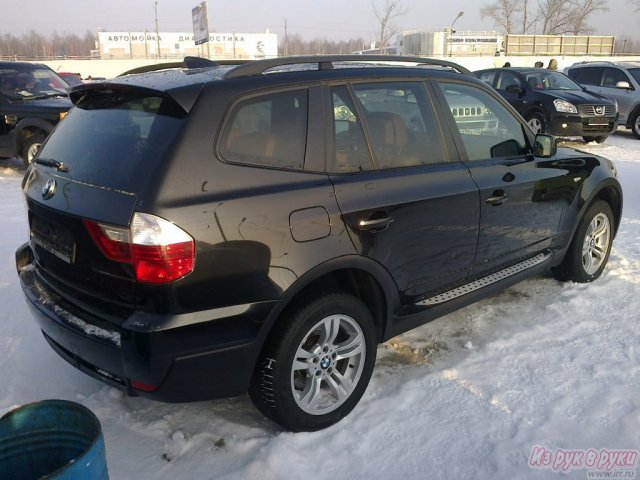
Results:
[446, 43]
[119, 45]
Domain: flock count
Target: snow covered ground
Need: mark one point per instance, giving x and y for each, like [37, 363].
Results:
[468, 396]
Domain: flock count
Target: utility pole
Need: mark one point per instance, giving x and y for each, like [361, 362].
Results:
[286, 44]
[452, 31]
[157, 30]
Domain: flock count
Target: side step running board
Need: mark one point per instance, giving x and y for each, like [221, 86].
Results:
[485, 281]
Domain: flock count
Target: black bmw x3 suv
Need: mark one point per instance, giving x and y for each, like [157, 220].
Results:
[552, 103]
[199, 233]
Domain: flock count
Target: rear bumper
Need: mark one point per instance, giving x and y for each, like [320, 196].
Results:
[578, 126]
[182, 358]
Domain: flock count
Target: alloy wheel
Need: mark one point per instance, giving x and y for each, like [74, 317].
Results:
[596, 243]
[328, 364]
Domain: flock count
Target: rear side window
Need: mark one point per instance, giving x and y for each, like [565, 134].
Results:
[401, 124]
[587, 75]
[269, 130]
[114, 139]
[351, 152]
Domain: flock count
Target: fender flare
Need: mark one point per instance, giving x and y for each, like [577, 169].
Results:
[25, 124]
[347, 262]
[586, 202]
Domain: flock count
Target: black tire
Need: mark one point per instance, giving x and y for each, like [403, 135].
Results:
[635, 124]
[594, 139]
[537, 122]
[31, 147]
[591, 245]
[277, 388]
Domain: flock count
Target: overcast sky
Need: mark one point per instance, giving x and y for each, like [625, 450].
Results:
[333, 19]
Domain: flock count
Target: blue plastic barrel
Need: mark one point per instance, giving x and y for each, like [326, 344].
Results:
[54, 439]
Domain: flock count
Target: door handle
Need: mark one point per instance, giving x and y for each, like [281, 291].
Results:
[376, 222]
[498, 198]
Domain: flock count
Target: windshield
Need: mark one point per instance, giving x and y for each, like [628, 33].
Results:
[548, 80]
[635, 73]
[114, 139]
[24, 82]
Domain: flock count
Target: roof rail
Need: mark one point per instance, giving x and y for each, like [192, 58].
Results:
[594, 61]
[325, 62]
[188, 62]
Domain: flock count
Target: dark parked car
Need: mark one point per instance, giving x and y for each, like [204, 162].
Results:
[197, 233]
[619, 82]
[551, 102]
[33, 99]
[72, 79]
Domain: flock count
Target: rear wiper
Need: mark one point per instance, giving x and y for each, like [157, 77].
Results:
[61, 167]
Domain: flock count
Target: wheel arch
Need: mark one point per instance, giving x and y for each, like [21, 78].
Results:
[613, 196]
[632, 115]
[536, 108]
[364, 278]
[28, 127]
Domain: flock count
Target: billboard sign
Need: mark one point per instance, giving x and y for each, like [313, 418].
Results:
[200, 23]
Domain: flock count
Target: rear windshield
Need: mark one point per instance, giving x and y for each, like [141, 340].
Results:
[113, 139]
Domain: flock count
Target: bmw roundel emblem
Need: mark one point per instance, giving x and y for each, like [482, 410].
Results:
[49, 189]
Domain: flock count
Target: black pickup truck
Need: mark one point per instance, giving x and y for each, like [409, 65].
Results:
[33, 99]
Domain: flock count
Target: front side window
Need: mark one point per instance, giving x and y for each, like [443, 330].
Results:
[269, 130]
[487, 77]
[487, 128]
[401, 124]
[612, 76]
[635, 73]
[508, 79]
[587, 75]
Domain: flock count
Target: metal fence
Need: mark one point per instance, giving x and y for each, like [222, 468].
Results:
[559, 45]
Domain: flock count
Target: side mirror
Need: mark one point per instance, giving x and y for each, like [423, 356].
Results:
[517, 89]
[623, 85]
[545, 145]
[508, 148]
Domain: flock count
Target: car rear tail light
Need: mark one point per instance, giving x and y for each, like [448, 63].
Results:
[158, 250]
[144, 387]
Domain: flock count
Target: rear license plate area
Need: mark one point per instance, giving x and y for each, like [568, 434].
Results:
[53, 238]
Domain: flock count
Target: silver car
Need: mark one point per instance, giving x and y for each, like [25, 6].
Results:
[617, 81]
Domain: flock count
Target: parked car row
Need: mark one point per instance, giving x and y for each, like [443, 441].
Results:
[551, 102]
[205, 231]
[590, 101]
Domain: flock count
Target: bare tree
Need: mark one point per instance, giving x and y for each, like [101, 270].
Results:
[529, 18]
[555, 16]
[503, 13]
[627, 45]
[385, 15]
[297, 46]
[548, 17]
[636, 3]
[33, 45]
[583, 9]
